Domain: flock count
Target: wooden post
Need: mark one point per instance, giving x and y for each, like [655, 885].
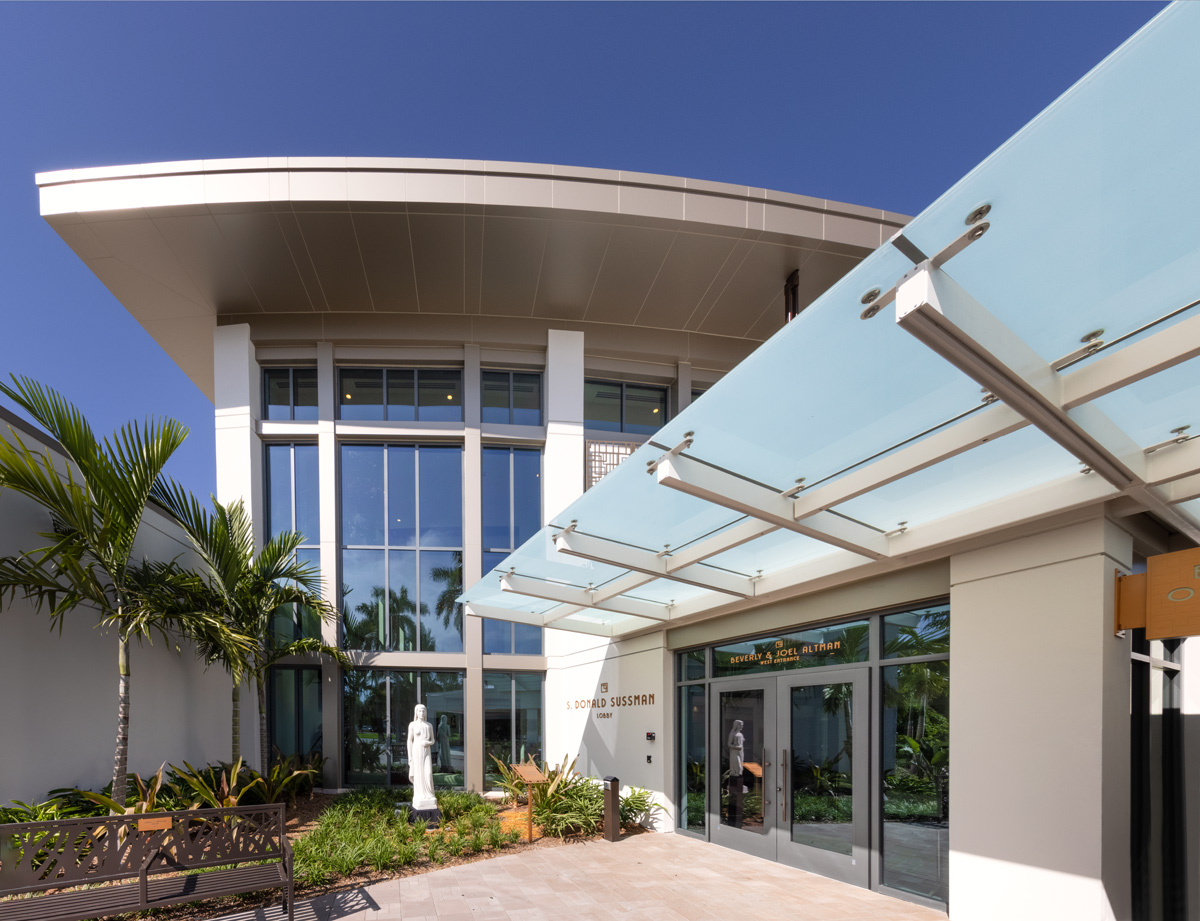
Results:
[531, 775]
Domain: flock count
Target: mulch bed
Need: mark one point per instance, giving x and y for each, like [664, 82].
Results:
[303, 818]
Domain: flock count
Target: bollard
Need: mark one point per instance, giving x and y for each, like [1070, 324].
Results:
[612, 809]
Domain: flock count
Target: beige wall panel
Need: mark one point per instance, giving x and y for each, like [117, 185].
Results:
[1040, 799]
[687, 275]
[575, 252]
[438, 256]
[512, 258]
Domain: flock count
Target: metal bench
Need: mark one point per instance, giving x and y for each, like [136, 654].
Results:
[56, 868]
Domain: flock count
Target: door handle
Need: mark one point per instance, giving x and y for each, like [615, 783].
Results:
[783, 782]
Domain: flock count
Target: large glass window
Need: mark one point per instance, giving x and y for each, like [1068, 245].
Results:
[293, 504]
[294, 704]
[378, 705]
[512, 707]
[512, 397]
[512, 513]
[290, 394]
[402, 538]
[400, 394]
[693, 715]
[916, 777]
[616, 407]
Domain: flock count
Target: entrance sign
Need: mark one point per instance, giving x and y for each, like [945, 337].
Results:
[827, 645]
[1165, 599]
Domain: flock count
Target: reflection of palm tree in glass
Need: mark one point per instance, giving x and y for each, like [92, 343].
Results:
[363, 623]
[839, 697]
[445, 608]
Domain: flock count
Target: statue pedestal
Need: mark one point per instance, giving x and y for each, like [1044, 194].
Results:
[432, 817]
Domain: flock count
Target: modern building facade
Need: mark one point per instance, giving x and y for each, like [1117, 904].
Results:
[769, 614]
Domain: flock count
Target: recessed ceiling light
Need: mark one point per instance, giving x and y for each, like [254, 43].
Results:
[449, 396]
[348, 397]
[656, 409]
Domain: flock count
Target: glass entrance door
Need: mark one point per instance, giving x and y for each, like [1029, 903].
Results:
[822, 798]
[743, 782]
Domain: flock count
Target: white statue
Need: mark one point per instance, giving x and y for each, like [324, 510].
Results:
[443, 743]
[737, 749]
[420, 760]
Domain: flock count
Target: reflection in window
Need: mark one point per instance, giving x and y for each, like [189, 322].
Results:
[916, 777]
[294, 708]
[512, 513]
[290, 394]
[615, 407]
[400, 394]
[378, 706]
[512, 706]
[693, 757]
[402, 539]
[512, 397]
[292, 504]
[923, 632]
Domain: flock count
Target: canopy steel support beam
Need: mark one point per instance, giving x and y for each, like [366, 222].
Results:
[938, 313]
[513, 615]
[567, 594]
[601, 550]
[720, 488]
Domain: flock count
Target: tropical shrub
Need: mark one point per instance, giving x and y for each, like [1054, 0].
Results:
[635, 806]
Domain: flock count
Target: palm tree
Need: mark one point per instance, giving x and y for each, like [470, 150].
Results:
[446, 606]
[96, 501]
[246, 591]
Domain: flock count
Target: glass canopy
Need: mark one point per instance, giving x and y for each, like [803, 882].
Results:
[1023, 348]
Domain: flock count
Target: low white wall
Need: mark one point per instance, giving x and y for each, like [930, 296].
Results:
[1039, 703]
[58, 719]
[601, 700]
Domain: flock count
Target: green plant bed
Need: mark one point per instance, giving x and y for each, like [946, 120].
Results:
[808, 808]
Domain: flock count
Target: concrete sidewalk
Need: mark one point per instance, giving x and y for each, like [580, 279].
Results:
[652, 877]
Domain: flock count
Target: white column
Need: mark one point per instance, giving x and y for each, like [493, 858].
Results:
[563, 464]
[237, 401]
[327, 489]
[683, 386]
[473, 564]
[237, 408]
[1039, 704]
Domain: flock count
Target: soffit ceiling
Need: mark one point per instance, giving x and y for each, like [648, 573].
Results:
[184, 246]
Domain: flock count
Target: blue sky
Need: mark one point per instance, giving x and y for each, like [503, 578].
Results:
[880, 104]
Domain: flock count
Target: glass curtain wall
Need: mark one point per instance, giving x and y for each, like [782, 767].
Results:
[402, 539]
[294, 704]
[512, 708]
[693, 745]
[512, 513]
[378, 706]
[292, 504]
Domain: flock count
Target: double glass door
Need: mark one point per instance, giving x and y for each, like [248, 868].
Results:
[790, 776]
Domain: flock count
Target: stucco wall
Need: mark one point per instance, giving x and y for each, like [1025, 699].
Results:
[58, 716]
[600, 703]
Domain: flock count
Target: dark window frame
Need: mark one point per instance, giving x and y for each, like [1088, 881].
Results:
[416, 392]
[292, 404]
[511, 391]
[625, 385]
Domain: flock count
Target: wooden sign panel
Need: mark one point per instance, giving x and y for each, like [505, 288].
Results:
[529, 773]
[1173, 595]
[156, 823]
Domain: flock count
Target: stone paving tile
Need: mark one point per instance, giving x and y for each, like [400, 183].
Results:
[646, 878]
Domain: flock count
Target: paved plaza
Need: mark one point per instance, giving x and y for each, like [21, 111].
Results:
[653, 877]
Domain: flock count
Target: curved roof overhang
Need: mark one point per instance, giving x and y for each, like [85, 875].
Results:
[187, 245]
[1025, 353]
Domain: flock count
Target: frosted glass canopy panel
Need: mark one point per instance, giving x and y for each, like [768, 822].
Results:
[1093, 203]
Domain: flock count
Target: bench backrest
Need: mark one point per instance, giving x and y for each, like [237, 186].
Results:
[35, 856]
